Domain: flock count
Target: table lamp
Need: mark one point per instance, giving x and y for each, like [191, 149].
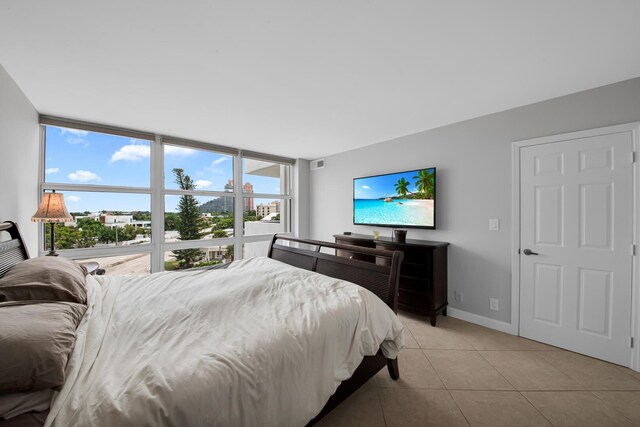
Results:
[52, 209]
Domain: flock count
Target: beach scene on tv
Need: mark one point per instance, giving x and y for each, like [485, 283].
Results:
[403, 199]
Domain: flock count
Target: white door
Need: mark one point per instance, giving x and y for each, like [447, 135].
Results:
[576, 216]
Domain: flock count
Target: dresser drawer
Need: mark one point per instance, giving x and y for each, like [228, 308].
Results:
[414, 299]
[422, 285]
[418, 271]
[413, 285]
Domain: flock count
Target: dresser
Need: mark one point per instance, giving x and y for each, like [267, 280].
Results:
[423, 272]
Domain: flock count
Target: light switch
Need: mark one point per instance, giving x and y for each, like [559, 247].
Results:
[494, 224]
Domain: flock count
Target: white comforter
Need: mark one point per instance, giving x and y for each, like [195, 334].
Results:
[258, 344]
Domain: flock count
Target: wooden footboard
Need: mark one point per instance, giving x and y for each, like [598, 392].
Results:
[380, 278]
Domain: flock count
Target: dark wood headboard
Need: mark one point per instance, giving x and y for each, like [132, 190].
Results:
[12, 251]
[381, 279]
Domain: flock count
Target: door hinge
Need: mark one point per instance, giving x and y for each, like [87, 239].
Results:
[631, 342]
[633, 250]
[633, 157]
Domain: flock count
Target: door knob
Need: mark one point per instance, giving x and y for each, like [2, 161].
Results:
[529, 252]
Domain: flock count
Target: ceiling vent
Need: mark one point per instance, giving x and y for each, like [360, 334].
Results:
[317, 164]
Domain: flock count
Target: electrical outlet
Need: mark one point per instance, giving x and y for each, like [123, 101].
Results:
[457, 295]
[494, 224]
[493, 304]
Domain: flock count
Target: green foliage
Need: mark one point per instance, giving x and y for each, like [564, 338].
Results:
[171, 265]
[402, 187]
[222, 223]
[188, 221]
[229, 253]
[170, 221]
[70, 237]
[141, 215]
[207, 263]
[425, 182]
[219, 233]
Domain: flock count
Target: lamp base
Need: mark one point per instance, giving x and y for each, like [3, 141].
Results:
[52, 248]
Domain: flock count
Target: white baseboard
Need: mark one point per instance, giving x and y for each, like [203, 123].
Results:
[481, 320]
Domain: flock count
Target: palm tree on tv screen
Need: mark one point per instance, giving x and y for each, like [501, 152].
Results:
[425, 182]
[402, 187]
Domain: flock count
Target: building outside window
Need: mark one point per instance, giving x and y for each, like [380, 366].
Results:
[267, 201]
[143, 203]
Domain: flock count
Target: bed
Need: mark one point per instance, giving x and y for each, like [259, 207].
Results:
[276, 340]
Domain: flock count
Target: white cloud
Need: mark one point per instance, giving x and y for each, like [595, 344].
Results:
[52, 170]
[74, 136]
[172, 150]
[220, 160]
[214, 165]
[366, 187]
[76, 141]
[202, 183]
[83, 176]
[132, 153]
[76, 132]
[73, 199]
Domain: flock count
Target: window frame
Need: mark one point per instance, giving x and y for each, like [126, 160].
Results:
[157, 192]
[286, 196]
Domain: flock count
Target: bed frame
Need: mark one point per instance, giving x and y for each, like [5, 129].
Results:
[380, 278]
[13, 250]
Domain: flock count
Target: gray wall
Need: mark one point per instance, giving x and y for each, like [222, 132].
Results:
[19, 148]
[474, 183]
[301, 202]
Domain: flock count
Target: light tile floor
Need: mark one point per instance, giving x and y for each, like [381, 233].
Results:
[461, 374]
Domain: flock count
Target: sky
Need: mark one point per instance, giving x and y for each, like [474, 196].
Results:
[379, 186]
[82, 157]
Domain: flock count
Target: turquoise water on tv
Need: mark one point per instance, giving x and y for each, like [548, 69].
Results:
[409, 212]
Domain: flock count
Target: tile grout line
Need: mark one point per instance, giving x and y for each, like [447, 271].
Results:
[412, 336]
[577, 381]
[607, 403]
[446, 389]
[579, 384]
[536, 408]
[458, 406]
[496, 369]
[434, 368]
[384, 418]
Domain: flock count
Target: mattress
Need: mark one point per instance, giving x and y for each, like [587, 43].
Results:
[260, 343]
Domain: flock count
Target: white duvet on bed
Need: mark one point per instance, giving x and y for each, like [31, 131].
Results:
[258, 344]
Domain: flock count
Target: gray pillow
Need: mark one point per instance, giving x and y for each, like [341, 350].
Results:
[45, 279]
[14, 404]
[35, 343]
[31, 419]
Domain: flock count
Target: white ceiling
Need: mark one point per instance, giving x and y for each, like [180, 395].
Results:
[305, 78]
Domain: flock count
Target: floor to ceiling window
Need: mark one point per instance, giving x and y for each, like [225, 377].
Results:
[142, 202]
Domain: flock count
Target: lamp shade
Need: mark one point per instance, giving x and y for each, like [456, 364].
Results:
[52, 209]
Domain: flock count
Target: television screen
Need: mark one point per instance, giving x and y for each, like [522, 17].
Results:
[402, 199]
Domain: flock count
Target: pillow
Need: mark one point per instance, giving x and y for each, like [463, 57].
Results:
[35, 343]
[45, 278]
[14, 404]
[31, 419]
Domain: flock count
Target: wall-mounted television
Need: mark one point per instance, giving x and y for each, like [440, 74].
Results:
[401, 199]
